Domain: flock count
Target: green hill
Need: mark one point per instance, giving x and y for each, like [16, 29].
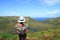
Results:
[7, 23]
[49, 28]
[54, 21]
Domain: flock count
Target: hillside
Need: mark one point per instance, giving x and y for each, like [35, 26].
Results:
[54, 21]
[41, 30]
[7, 23]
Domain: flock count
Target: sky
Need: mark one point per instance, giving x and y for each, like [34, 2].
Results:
[32, 8]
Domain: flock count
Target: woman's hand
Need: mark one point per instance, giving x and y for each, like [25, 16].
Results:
[18, 32]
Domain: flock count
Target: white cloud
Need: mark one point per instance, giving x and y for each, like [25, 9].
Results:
[50, 2]
[10, 13]
[54, 13]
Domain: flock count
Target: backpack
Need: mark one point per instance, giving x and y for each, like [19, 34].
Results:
[22, 31]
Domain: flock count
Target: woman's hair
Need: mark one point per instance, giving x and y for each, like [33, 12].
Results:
[22, 23]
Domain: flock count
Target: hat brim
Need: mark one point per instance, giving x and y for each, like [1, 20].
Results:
[21, 21]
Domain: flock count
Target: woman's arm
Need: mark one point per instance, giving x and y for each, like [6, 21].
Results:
[17, 31]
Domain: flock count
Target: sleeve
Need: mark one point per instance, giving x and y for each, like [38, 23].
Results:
[16, 27]
[27, 27]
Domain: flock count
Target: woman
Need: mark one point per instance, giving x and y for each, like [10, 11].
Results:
[21, 28]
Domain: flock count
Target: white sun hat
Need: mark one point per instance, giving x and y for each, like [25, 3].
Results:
[21, 19]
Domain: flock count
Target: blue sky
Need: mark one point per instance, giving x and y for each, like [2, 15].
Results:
[32, 8]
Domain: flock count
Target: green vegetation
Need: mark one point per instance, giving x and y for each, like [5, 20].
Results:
[41, 30]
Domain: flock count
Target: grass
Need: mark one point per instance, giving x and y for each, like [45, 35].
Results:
[41, 35]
